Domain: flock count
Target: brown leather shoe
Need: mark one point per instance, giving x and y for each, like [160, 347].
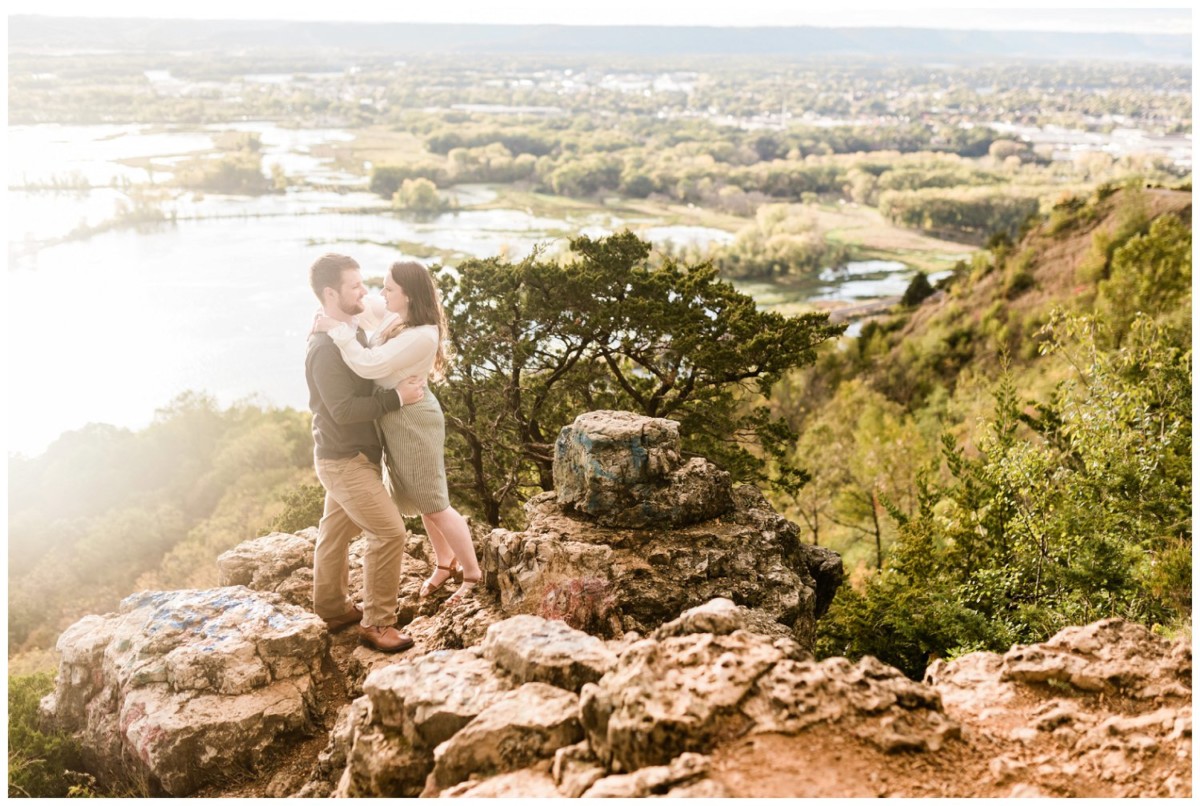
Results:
[384, 639]
[351, 616]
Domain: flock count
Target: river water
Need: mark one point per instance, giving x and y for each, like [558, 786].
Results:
[112, 326]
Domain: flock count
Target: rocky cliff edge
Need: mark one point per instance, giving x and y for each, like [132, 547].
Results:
[648, 634]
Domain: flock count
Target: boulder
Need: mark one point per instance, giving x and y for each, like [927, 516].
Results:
[684, 689]
[870, 699]
[520, 728]
[406, 711]
[178, 687]
[277, 562]
[625, 470]
[675, 695]
[433, 696]
[1112, 656]
[533, 649]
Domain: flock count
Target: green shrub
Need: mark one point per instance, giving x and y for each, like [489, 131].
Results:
[303, 507]
[918, 290]
[420, 196]
[1150, 274]
[1079, 512]
[38, 762]
[1018, 283]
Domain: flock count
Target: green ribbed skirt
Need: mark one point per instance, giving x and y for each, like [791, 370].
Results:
[414, 442]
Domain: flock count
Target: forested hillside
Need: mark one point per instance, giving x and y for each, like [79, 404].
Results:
[1012, 454]
[106, 511]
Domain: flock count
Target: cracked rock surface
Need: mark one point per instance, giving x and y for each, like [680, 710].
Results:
[179, 686]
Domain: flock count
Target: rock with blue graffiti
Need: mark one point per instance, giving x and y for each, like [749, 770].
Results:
[178, 687]
[625, 470]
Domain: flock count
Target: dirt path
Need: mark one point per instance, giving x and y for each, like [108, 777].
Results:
[1000, 755]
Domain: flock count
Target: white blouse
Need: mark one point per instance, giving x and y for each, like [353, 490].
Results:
[412, 352]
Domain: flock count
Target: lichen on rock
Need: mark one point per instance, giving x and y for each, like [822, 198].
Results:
[625, 470]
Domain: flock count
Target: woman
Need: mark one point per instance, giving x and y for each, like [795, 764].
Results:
[408, 342]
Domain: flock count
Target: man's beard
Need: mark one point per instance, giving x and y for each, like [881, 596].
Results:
[352, 309]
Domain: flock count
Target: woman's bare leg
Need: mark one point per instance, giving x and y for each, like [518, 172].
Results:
[443, 556]
[443, 553]
[452, 528]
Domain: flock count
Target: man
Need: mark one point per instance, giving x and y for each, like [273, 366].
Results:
[348, 456]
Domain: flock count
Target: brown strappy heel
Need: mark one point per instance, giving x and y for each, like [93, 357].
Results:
[465, 591]
[428, 587]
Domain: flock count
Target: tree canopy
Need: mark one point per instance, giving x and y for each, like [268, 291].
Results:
[537, 342]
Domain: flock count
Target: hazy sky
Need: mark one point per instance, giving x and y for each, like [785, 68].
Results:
[1172, 18]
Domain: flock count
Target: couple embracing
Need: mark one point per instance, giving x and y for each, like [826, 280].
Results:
[368, 398]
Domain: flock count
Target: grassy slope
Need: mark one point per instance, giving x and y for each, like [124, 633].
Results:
[1057, 263]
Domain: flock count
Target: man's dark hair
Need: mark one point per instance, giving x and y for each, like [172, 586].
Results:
[327, 272]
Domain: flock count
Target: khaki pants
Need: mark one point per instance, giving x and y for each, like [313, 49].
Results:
[355, 502]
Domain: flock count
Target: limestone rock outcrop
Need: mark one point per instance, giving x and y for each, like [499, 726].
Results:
[179, 687]
[632, 536]
[1113, 656]
[665, 716]
[282, 563]
[188, 685]
[541, 705]
[278, 562]
[430, 722]
[683, 689]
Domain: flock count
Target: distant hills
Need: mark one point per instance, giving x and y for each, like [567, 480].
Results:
[924, 44]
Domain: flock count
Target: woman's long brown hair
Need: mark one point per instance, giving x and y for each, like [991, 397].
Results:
[424, 307]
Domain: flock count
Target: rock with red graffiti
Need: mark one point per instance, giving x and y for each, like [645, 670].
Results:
[609, 581]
